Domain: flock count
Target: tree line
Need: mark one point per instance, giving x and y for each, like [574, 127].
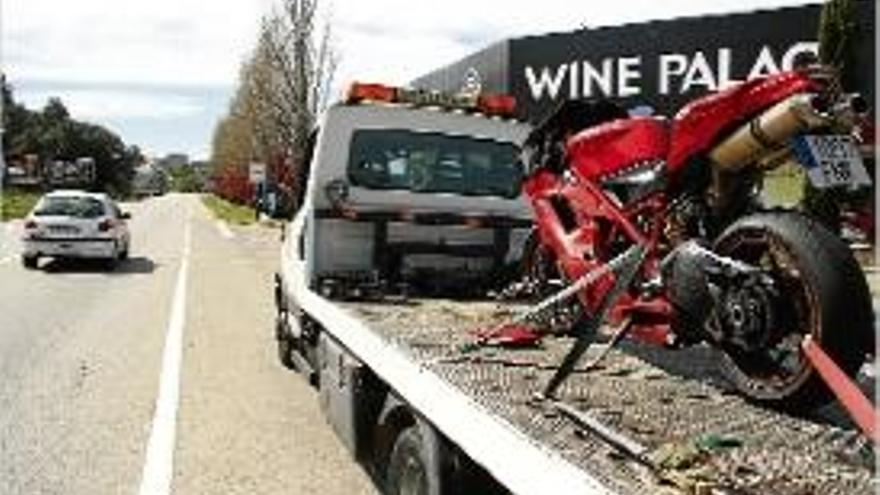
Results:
[51, 134]
[282, 86]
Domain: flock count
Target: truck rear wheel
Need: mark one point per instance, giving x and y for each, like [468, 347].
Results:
[408, 465]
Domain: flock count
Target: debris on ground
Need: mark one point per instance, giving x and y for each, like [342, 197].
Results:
[509, 335]
[712, 442]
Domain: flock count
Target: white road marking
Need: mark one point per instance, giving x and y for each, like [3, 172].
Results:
[5, 239]
[224, 229]
[5, 260]
[159, 464]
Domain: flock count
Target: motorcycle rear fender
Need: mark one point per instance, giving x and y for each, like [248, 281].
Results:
[698, 125]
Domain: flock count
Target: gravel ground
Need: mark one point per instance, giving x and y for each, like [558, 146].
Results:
[669, 401]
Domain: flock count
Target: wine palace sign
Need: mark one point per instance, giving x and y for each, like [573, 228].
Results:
[659, 65]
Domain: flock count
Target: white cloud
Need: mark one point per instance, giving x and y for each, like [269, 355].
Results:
[398, 40]
[196, 42]
[179, 42]
[99, 104]
[202, 42]
[94, 51]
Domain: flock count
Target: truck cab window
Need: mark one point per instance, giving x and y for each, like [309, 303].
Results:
[434, 163]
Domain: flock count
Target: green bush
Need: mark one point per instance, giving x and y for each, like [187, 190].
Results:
[16, 203]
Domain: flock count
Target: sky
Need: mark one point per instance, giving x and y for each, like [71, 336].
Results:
[160, 73]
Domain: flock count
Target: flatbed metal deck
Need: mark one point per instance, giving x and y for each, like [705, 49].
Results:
[706, 437]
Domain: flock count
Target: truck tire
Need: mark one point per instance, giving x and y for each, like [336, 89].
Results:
[823, 293]
[413, 466]
[285, 342]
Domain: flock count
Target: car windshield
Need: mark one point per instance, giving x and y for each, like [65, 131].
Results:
[433, 162]
[70, 206]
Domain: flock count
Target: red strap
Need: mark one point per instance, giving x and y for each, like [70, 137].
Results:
[848, 393]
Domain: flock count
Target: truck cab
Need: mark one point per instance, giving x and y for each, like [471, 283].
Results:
[408, 193]
[402, 197]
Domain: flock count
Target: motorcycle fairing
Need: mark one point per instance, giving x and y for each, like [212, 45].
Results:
[612, 148]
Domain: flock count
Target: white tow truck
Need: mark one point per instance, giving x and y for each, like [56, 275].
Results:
[411, 215]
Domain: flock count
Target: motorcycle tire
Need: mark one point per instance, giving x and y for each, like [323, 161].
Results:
[823, 292]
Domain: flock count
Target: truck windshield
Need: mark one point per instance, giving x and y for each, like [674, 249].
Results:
[434, 162]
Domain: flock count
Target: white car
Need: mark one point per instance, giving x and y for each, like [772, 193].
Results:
[75, 224]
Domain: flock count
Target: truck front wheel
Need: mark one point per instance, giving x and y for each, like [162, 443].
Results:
[285, 342]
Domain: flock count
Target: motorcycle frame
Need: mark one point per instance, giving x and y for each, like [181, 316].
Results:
[598, 221]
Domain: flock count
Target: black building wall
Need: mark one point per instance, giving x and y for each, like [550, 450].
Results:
[660, 64]
[490, 64]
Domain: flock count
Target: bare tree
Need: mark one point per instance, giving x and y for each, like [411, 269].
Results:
[300, 65]
[283, 86]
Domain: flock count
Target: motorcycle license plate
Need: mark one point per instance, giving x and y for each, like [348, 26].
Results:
[831, 161]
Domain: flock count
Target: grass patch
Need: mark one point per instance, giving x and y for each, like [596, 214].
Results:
[229, 212]
[16, 203]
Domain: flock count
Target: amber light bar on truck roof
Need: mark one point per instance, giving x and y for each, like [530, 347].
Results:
[490, 104]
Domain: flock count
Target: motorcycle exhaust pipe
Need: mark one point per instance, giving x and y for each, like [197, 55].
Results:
[770, 131]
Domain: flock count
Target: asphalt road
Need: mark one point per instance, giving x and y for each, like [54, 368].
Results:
[159, 374]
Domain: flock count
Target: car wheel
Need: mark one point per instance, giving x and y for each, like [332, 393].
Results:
[109, 264]
[29, 262]
[114, 259]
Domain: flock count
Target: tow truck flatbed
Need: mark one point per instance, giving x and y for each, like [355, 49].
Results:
[667, 402]
[407, 194]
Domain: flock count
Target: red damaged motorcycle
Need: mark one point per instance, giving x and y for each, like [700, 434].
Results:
[656, 226]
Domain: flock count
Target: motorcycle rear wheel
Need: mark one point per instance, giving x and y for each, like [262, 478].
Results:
[821, 291]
